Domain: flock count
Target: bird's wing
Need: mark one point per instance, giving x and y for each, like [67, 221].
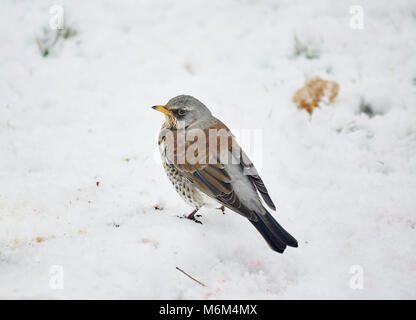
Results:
[219, 186]
[235, 184]
[218, 179]
[251, 171]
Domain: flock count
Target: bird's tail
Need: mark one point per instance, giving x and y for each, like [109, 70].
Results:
[277, 237]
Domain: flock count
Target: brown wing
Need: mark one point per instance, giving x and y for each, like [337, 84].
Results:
[212, 178]
[215, 182]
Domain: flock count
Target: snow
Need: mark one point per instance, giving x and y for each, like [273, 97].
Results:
[344, 182]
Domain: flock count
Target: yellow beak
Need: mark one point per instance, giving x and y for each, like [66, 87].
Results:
[162, 109]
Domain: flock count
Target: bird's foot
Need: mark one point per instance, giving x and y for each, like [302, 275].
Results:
[222, 208]
[192, 216]
[194, 219]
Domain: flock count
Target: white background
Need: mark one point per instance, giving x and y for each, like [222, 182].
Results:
[344, 183]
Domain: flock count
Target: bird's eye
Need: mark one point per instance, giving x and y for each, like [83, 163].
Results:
[181, 112]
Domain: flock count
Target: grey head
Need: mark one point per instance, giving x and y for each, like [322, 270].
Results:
[185, 109]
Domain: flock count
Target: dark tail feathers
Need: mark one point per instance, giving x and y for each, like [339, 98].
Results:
[277, 237]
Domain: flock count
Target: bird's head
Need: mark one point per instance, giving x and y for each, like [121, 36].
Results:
[183, 111]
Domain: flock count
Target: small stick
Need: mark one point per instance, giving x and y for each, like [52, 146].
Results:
[177, 268]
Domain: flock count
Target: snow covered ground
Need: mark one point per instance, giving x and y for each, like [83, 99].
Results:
[344, 180]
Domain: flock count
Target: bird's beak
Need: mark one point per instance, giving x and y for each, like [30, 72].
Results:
[162, 109]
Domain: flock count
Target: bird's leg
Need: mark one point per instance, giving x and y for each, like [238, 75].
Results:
[222, 208]
[192, 216]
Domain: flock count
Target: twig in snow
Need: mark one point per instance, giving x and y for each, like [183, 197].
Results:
[177, 268]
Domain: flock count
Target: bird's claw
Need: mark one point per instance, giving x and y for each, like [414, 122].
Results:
[191, 217]
[195, 219]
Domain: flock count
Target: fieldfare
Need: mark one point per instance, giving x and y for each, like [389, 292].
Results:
[205, 164]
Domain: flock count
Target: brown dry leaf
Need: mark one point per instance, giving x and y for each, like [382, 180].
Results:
[40, 239]
[189, 68]
[315, 91]
[146, 241]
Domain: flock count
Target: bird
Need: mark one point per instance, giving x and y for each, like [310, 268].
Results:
[205, 164]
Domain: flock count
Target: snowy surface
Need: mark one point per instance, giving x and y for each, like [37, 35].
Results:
[344, 182]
